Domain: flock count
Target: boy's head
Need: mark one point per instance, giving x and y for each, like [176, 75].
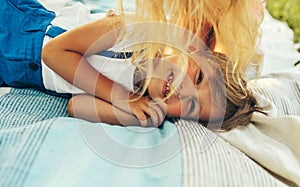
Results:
[190, 97]
[240, 102]
[206, 92]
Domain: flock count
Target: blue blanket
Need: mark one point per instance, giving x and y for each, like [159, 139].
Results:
[41, 146]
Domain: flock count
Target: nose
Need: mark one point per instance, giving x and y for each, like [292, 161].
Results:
[187, 89]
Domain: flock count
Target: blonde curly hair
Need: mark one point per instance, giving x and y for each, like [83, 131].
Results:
[233, 24]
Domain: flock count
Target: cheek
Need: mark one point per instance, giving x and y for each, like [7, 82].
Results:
[174, 109]
[153, 88]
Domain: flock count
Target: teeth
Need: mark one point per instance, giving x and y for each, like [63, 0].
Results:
[167, 89]
[170, 80]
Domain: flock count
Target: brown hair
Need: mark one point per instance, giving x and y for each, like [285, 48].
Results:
[240, 103]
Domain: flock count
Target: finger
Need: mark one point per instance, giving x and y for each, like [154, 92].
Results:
[143, 118]
[144, 123]
[160, 104]
[146, 109]
[139, 114]
[151, 108]
[143, 105]
[158, 113]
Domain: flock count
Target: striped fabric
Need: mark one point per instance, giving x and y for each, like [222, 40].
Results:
[26, 117]
[23, 128]
[210, 161]
[282, 92]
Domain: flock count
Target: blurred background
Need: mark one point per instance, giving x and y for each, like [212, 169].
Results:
[280, 44]
[284, 10]
[95, 6]
[289, 12]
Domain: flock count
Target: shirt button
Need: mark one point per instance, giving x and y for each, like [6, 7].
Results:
[33, 66]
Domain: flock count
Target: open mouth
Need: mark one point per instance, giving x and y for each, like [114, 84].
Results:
[167, 85]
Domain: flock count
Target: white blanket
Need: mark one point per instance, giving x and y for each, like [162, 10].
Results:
[274, 140]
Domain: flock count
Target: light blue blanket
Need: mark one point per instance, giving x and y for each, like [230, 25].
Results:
[40, 146]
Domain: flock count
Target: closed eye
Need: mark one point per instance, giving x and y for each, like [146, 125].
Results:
[192, 108]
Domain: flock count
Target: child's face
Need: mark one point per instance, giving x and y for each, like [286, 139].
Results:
[192, 100]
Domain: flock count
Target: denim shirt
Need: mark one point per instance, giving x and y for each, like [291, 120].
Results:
[22, 30]
[23, 26]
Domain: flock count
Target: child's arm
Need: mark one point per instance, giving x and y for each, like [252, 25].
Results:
[97, 110]
[65, 55]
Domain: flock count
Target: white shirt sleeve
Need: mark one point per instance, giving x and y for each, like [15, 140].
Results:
[118, 70]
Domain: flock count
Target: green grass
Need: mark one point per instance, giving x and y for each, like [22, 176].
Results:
[288, 11]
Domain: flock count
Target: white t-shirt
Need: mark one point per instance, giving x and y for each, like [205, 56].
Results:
[118, 70]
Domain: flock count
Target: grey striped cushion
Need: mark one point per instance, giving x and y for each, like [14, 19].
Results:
[23, 128]
[283, 93]
[210, 161]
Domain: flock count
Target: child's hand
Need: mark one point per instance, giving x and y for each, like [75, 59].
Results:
[150, 113]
